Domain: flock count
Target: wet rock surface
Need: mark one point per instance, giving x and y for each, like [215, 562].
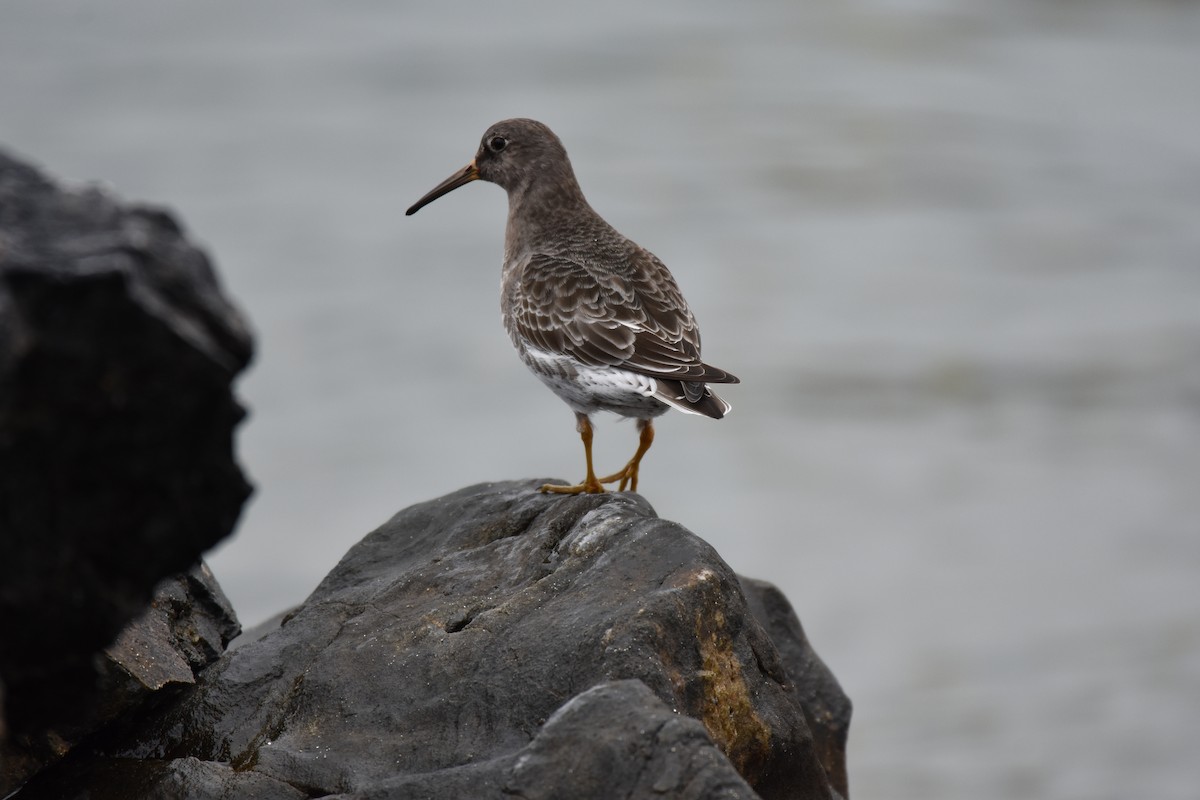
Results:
[117, 355]
[508, 643]
[187, 626]
[815, 689]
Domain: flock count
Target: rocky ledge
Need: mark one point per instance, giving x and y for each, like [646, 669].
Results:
[118, 352]
[500, 643]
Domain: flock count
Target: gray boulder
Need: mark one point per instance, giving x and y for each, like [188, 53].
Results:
[498, 643]
[187, 626]
[117, 355]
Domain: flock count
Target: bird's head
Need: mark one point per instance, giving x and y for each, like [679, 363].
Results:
[513, 154]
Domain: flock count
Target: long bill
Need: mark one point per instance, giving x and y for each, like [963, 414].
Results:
[461, 178]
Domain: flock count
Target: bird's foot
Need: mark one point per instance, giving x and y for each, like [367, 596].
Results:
[627, 476]
[589, 486]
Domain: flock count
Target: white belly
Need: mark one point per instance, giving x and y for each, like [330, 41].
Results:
[591, 389]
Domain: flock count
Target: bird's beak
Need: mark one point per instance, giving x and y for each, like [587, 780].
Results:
[462, 177]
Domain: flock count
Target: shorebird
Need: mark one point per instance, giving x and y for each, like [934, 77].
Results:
[599, 319]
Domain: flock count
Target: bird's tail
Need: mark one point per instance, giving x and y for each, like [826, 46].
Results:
[691, 397]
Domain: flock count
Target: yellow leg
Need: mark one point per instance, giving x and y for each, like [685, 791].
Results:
[590, 485]
[629, 474]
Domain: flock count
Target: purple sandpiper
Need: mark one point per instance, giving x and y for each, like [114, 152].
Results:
[599, 319]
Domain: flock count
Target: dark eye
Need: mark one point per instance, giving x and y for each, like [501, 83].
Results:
[497, 143]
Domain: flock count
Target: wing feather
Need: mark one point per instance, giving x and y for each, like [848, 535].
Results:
[630, 316]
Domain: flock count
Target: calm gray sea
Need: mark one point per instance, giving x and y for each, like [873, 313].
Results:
[951, 248]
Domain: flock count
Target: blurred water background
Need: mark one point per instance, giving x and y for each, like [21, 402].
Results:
[951, 248]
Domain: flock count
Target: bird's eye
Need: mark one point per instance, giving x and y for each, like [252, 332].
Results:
[497, 143]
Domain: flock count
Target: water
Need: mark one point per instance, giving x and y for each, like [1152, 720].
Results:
[951, 248]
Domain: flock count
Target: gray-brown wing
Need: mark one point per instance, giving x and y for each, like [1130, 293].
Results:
[636, 320]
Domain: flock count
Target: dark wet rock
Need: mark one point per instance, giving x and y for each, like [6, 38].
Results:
[150, 779]
[620, 740]
[816, 690]
[498, 642]
[117, 355]
[187, 627]
[613, 740]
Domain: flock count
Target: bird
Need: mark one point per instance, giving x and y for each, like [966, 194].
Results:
[597, 318]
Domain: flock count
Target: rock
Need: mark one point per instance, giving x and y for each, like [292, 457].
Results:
[187, 627]
[148, 779]
[117, 354]
[498, 643]
[613, 740]
[826, 707]
[620, 740]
